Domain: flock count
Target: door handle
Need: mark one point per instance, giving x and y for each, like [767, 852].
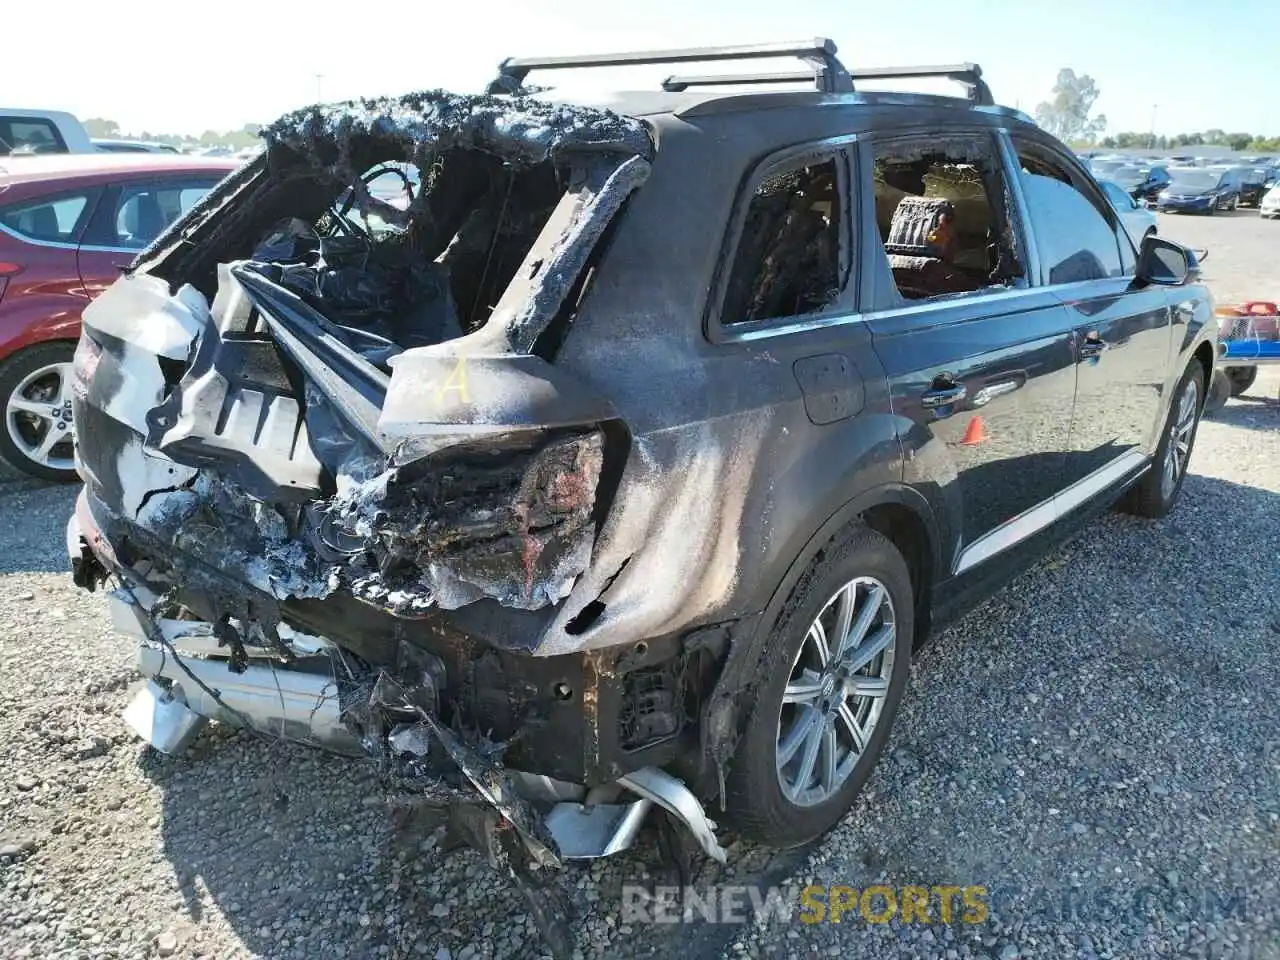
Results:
[942, 397]
[1092, 348]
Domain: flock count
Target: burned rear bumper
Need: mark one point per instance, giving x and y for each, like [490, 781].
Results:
[317, 694]
[587, 717]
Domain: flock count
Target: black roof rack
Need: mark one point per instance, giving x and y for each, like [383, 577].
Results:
[679, 84]
[826, 72]
[968, 75]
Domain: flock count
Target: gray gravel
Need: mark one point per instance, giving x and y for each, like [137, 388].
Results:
[1107, 723]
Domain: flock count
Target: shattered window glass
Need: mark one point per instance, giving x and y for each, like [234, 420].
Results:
[788, 257]
[945, 217]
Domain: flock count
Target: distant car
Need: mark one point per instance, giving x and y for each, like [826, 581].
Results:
[132, 146]
[1269, 208]
[26, 132]
[1143, 182]
[67, 226]
[1253, 184]
[1199, 190]
[1105, 166]
[1138, 221]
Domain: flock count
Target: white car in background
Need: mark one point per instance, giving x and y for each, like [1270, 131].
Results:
[1137, 219]
[1269, 208]
[25, 132]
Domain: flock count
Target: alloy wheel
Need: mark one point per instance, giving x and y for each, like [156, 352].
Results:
[836, 692]
[38, 417]
[1178, 449]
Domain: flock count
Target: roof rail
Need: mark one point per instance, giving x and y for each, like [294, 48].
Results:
[679, 84]
[968, 75]
[827, 73]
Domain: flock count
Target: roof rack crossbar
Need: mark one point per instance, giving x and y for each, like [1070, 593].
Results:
[827, 72]
[968, 75]
[679, 84]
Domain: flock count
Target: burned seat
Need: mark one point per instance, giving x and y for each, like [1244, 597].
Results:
[792, 231]
[921, 248]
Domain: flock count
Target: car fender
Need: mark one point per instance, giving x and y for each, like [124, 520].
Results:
[1194, 324]
[39, 319]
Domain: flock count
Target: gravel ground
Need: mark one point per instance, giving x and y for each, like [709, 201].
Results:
[1103, 726]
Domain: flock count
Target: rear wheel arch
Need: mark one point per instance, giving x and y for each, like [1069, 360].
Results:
[899, 513]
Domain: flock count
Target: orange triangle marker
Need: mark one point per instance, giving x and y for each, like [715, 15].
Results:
[975, 433]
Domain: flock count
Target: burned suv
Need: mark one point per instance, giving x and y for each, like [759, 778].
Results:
[570, 460]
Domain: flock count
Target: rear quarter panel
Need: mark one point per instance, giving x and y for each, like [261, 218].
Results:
[726, 479]
[44, 301]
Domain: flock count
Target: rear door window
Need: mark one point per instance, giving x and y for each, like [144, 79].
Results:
[144, 210]
[20, 135]
[49, 220]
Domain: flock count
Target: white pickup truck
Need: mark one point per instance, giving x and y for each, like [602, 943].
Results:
[41, 131]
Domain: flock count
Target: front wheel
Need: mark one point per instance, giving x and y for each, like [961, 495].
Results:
[825, 694]
[35, 397]
[1154, 495]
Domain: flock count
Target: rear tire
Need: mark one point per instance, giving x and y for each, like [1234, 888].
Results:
[816, 721]
[1155, 493]
[1241, 379]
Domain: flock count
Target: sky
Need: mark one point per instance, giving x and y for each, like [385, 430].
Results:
[183, 67]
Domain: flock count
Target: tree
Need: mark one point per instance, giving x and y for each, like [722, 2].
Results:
[99, 127]
[1239, 141]
[1066, 116]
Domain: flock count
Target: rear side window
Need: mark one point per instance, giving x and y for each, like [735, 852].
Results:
[1074, 235]
[143, 210]
[794, 243]
[52, 220]
[29, 135]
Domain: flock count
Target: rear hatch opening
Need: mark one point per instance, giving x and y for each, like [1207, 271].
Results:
[336, 370]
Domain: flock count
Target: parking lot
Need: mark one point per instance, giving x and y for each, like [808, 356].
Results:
[1096, 747]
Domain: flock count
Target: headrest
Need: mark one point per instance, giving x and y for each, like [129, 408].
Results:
[922, 227]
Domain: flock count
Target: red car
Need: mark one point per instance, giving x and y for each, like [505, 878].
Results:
[68, 224]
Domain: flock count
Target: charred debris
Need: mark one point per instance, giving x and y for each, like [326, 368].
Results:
[329, 401]
[352, 394]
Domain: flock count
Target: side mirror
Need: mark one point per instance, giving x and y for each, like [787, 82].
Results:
[1163, 262]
